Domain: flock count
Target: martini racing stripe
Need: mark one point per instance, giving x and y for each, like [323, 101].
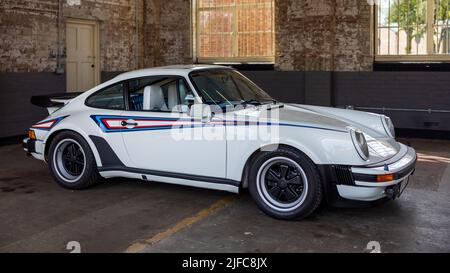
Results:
[111, 124]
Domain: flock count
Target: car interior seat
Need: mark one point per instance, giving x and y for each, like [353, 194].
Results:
[137, 101]
[154, 98]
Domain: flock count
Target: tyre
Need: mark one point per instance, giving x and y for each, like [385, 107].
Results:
[71, 161]
[285, 184]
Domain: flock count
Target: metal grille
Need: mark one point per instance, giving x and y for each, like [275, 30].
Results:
[414, 29]
[235, 30]
[344, 175]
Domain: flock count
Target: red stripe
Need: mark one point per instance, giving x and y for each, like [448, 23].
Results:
[167, 124]
[39, 125]
[162, 125]
[105, 122]
[174, 122]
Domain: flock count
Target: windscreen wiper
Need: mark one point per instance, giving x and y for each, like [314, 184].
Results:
[251, 101]
[274, 101]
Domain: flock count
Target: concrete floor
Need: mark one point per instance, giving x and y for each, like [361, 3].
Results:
[36, 215]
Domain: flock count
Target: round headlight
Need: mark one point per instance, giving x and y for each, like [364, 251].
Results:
[360, 144]
[388, 126]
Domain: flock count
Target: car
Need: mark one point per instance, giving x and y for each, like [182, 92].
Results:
[211, 127]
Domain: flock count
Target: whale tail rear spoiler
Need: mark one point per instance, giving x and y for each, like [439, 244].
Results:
[53, 101]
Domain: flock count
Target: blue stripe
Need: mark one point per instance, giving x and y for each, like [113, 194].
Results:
[311, 127]
[97, 119]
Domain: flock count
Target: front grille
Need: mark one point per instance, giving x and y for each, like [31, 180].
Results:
[343, 175]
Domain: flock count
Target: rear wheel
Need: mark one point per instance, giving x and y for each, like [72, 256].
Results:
[71, 161]
[285, 184]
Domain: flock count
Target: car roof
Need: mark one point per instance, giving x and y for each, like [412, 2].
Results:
[179, 70]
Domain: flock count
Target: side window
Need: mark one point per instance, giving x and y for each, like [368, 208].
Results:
[163, 94]
[108, 98]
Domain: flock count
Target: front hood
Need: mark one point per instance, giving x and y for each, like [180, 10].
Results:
[297, 115]
[291, 115]
[381, 147]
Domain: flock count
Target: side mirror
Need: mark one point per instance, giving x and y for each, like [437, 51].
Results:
[201, 111]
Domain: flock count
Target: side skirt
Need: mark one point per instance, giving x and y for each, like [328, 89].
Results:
[172, 178]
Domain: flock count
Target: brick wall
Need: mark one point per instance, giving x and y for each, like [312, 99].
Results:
[28, 33]
[320, 35]
[323, 35]
[167, 32]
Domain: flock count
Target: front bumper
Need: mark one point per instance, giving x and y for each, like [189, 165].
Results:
[360, 183]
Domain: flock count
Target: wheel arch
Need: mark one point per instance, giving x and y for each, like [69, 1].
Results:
[51, 136]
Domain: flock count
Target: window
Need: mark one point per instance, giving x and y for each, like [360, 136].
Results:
[234, 30]
[413, 30]
[161, 94]
[108, 98]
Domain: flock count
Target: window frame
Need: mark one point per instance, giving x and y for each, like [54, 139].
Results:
[195, 11]
[429, 56]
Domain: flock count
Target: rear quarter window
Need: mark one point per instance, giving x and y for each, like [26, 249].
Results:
[108, 98]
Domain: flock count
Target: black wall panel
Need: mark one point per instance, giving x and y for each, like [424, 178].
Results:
[421, 100]
[17, 114]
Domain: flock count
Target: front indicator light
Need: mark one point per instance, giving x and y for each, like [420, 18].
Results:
[385, 177]
[31, 134]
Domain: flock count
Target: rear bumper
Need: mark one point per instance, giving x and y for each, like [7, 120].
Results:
[33, 147]
[29, 145]
[360, 184]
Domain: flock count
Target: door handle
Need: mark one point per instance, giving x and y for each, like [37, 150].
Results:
[128, 123]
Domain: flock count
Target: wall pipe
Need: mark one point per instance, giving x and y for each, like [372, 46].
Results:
[430, 111]
[59, 68]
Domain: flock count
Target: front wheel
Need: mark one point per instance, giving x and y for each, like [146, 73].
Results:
[285, 184]
[71, 162]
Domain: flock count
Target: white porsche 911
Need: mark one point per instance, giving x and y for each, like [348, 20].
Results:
[211, 127]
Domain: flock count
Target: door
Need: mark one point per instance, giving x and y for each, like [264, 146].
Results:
[82, 59]
[159, 135]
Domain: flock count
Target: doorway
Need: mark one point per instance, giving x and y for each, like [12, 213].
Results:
[82, 62]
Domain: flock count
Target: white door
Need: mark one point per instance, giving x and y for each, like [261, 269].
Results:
[81, 62]
[155, 140]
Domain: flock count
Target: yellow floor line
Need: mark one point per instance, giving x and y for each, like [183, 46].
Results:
[221, 203]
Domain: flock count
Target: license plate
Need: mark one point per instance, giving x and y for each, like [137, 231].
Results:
[403, 185]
